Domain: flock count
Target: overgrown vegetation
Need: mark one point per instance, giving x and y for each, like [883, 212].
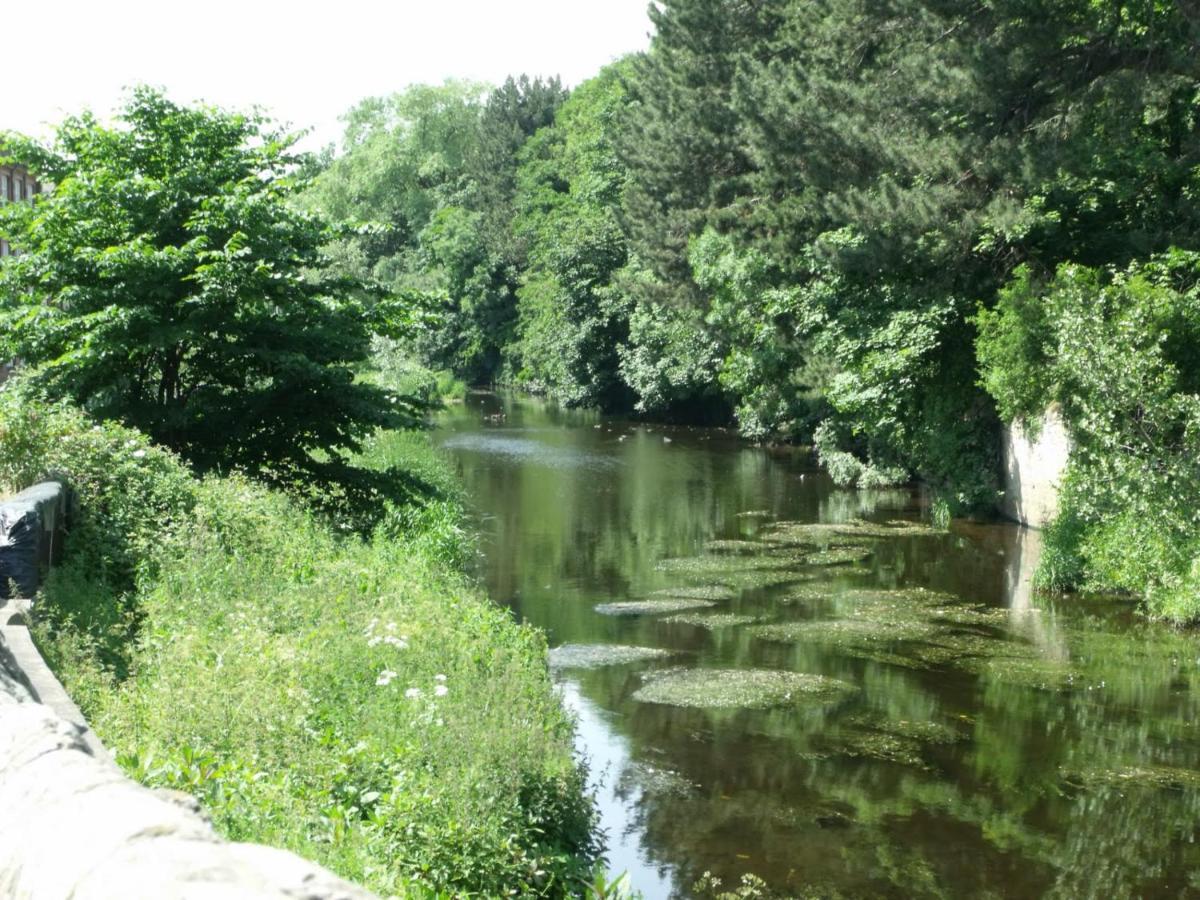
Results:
[788, 215]
[356, 701]
[1118, 350]
[169, 282]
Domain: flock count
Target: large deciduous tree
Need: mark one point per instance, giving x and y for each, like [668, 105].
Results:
[167, 281]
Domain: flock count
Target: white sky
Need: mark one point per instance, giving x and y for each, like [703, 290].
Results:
[306, 63]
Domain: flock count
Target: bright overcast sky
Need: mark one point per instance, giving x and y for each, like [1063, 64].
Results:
[306, 63]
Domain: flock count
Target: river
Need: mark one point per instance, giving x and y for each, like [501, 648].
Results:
[965, 738]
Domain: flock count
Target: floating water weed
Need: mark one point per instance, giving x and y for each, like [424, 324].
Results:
[742, 548]
[1031, 671]
[591, 656]
[754, 579]
[711, 621]
[876, 745]
[701, 565]
[699, 592]
[651, 607]
[838, 556]
[890, 529]
[844, 632]
[654, 780]
[921, 730]
[1157, 777]
[740, 688]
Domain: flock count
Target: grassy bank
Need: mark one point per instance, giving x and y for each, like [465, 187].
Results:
[360, 702]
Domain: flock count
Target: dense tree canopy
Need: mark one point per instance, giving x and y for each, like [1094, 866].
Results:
[167, 281]
[788, 215]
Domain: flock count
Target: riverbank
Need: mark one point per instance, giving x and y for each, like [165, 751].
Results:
[359, 702]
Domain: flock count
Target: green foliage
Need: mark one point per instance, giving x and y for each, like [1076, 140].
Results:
[126, 494]
[168, 282]
[1014, 347]
[672, 361]
[768, 365]
[358, 702]
[1117, 350]
[572, 316]
[683, 143]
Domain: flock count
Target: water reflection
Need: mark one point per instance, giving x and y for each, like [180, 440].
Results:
[997, 744]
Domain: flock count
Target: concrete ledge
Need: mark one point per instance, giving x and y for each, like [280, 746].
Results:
[73, 826]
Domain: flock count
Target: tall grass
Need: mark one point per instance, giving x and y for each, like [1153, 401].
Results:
[359, 702]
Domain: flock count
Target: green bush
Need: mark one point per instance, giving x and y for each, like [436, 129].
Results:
[359, 702]
[1120, 352]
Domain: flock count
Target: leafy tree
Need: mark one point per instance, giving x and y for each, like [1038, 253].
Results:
[513, 113]
[168, 282]
[683, 145]
[469, 249]
[402, 156]
[1117, 349]
[573, 319]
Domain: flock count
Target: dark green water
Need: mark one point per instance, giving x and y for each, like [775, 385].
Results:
[983, 742]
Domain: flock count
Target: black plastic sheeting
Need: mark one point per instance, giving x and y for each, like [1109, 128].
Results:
[30, 523]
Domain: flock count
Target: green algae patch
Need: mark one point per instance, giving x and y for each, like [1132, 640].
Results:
[711, 621]
[1155, 777]
[738, 548]
[724, 564]
[741, 689]
[839, 556]
[844, 632]
[651, 607]
[885, 747]
[593, 656]
[894, 528]
[919, 730]
[715, 592]
[1029, 670]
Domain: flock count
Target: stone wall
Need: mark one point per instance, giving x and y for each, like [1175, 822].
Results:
[73, 827]
[1034, 464]
[32, 525]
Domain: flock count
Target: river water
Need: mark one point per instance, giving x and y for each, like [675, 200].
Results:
[968, 738]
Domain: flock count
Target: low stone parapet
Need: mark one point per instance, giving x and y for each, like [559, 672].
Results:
[73, 826]
[31, 534]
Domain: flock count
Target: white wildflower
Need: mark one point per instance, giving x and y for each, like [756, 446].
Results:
[398, 643]
[385, 677]
[441, 691]
[440, 679]
[138, 454]
[413, 693]
[374, 641]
